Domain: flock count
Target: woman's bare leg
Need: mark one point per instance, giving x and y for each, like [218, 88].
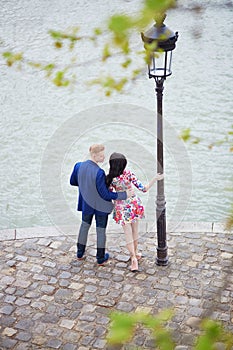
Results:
[130, 245]
[135, 235]
[135, 238]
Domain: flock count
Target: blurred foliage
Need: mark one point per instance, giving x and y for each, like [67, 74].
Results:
[119, 28]
[71, 36]
[186, 135]
[125, 325]
[12, 58]
[213, 333]
[227, 140]
[110, 83]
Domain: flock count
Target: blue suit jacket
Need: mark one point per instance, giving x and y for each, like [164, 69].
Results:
[94, 196]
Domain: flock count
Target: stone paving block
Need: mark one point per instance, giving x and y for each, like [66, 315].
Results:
[99, 344]
[10, 299]
[55, 244]
[38, 305]
[22, 301]
[7, 280]
[38, 340]
[8, 343]
[7, 309]
[69, 346]
[54, 344]
[45, 289]
[23, 336]
[40, 277]
[76, 286]
[23, 346]
[69, 324]
[226, 255]
[49, 263]
[9, 332]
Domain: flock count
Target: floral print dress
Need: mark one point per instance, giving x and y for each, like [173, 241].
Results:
[130, 209]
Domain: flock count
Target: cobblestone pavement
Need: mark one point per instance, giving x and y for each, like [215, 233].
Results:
[48, 300]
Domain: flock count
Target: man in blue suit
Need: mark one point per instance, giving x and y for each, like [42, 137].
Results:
[94, 200]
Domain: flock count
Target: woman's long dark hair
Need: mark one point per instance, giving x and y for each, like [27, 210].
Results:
[117, 162]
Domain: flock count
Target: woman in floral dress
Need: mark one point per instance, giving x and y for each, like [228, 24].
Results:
[127, 212]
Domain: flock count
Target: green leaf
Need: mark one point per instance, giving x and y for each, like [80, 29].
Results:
[156, 321]
[55, 34]
[126, 63]
[149, 52]
[119, 24]
[98, 31]
[159, 5]
[196, 140]
[153, 10]
[125, 46]
[136, 73]
[185, 134]
[119, 85]
[35, 65]
[59, 36]
[212, 333]
[7, 54]
[108, 82]
[163, 340]
[49, 66]
[165, 315]
[121, 329]
[106, 53]
[12, 58]
[59, 79]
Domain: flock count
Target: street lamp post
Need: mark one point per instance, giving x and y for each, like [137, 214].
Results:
[160, 41]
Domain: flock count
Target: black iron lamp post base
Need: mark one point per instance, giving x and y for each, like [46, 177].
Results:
[162, 259]
[162, 254]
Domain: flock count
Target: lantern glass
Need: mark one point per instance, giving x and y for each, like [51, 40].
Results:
[160, 65]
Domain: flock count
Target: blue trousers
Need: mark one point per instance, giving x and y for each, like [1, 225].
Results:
[101, 224]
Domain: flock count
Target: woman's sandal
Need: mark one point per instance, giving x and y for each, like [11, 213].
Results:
[134, 265]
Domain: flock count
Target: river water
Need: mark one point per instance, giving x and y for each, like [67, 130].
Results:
[44, 129]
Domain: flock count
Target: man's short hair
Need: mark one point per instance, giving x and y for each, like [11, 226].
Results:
[96, 148]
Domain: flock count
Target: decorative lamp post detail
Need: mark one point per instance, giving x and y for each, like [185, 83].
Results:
[160, 41]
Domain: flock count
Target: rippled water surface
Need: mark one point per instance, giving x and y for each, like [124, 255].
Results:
[44, 130]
